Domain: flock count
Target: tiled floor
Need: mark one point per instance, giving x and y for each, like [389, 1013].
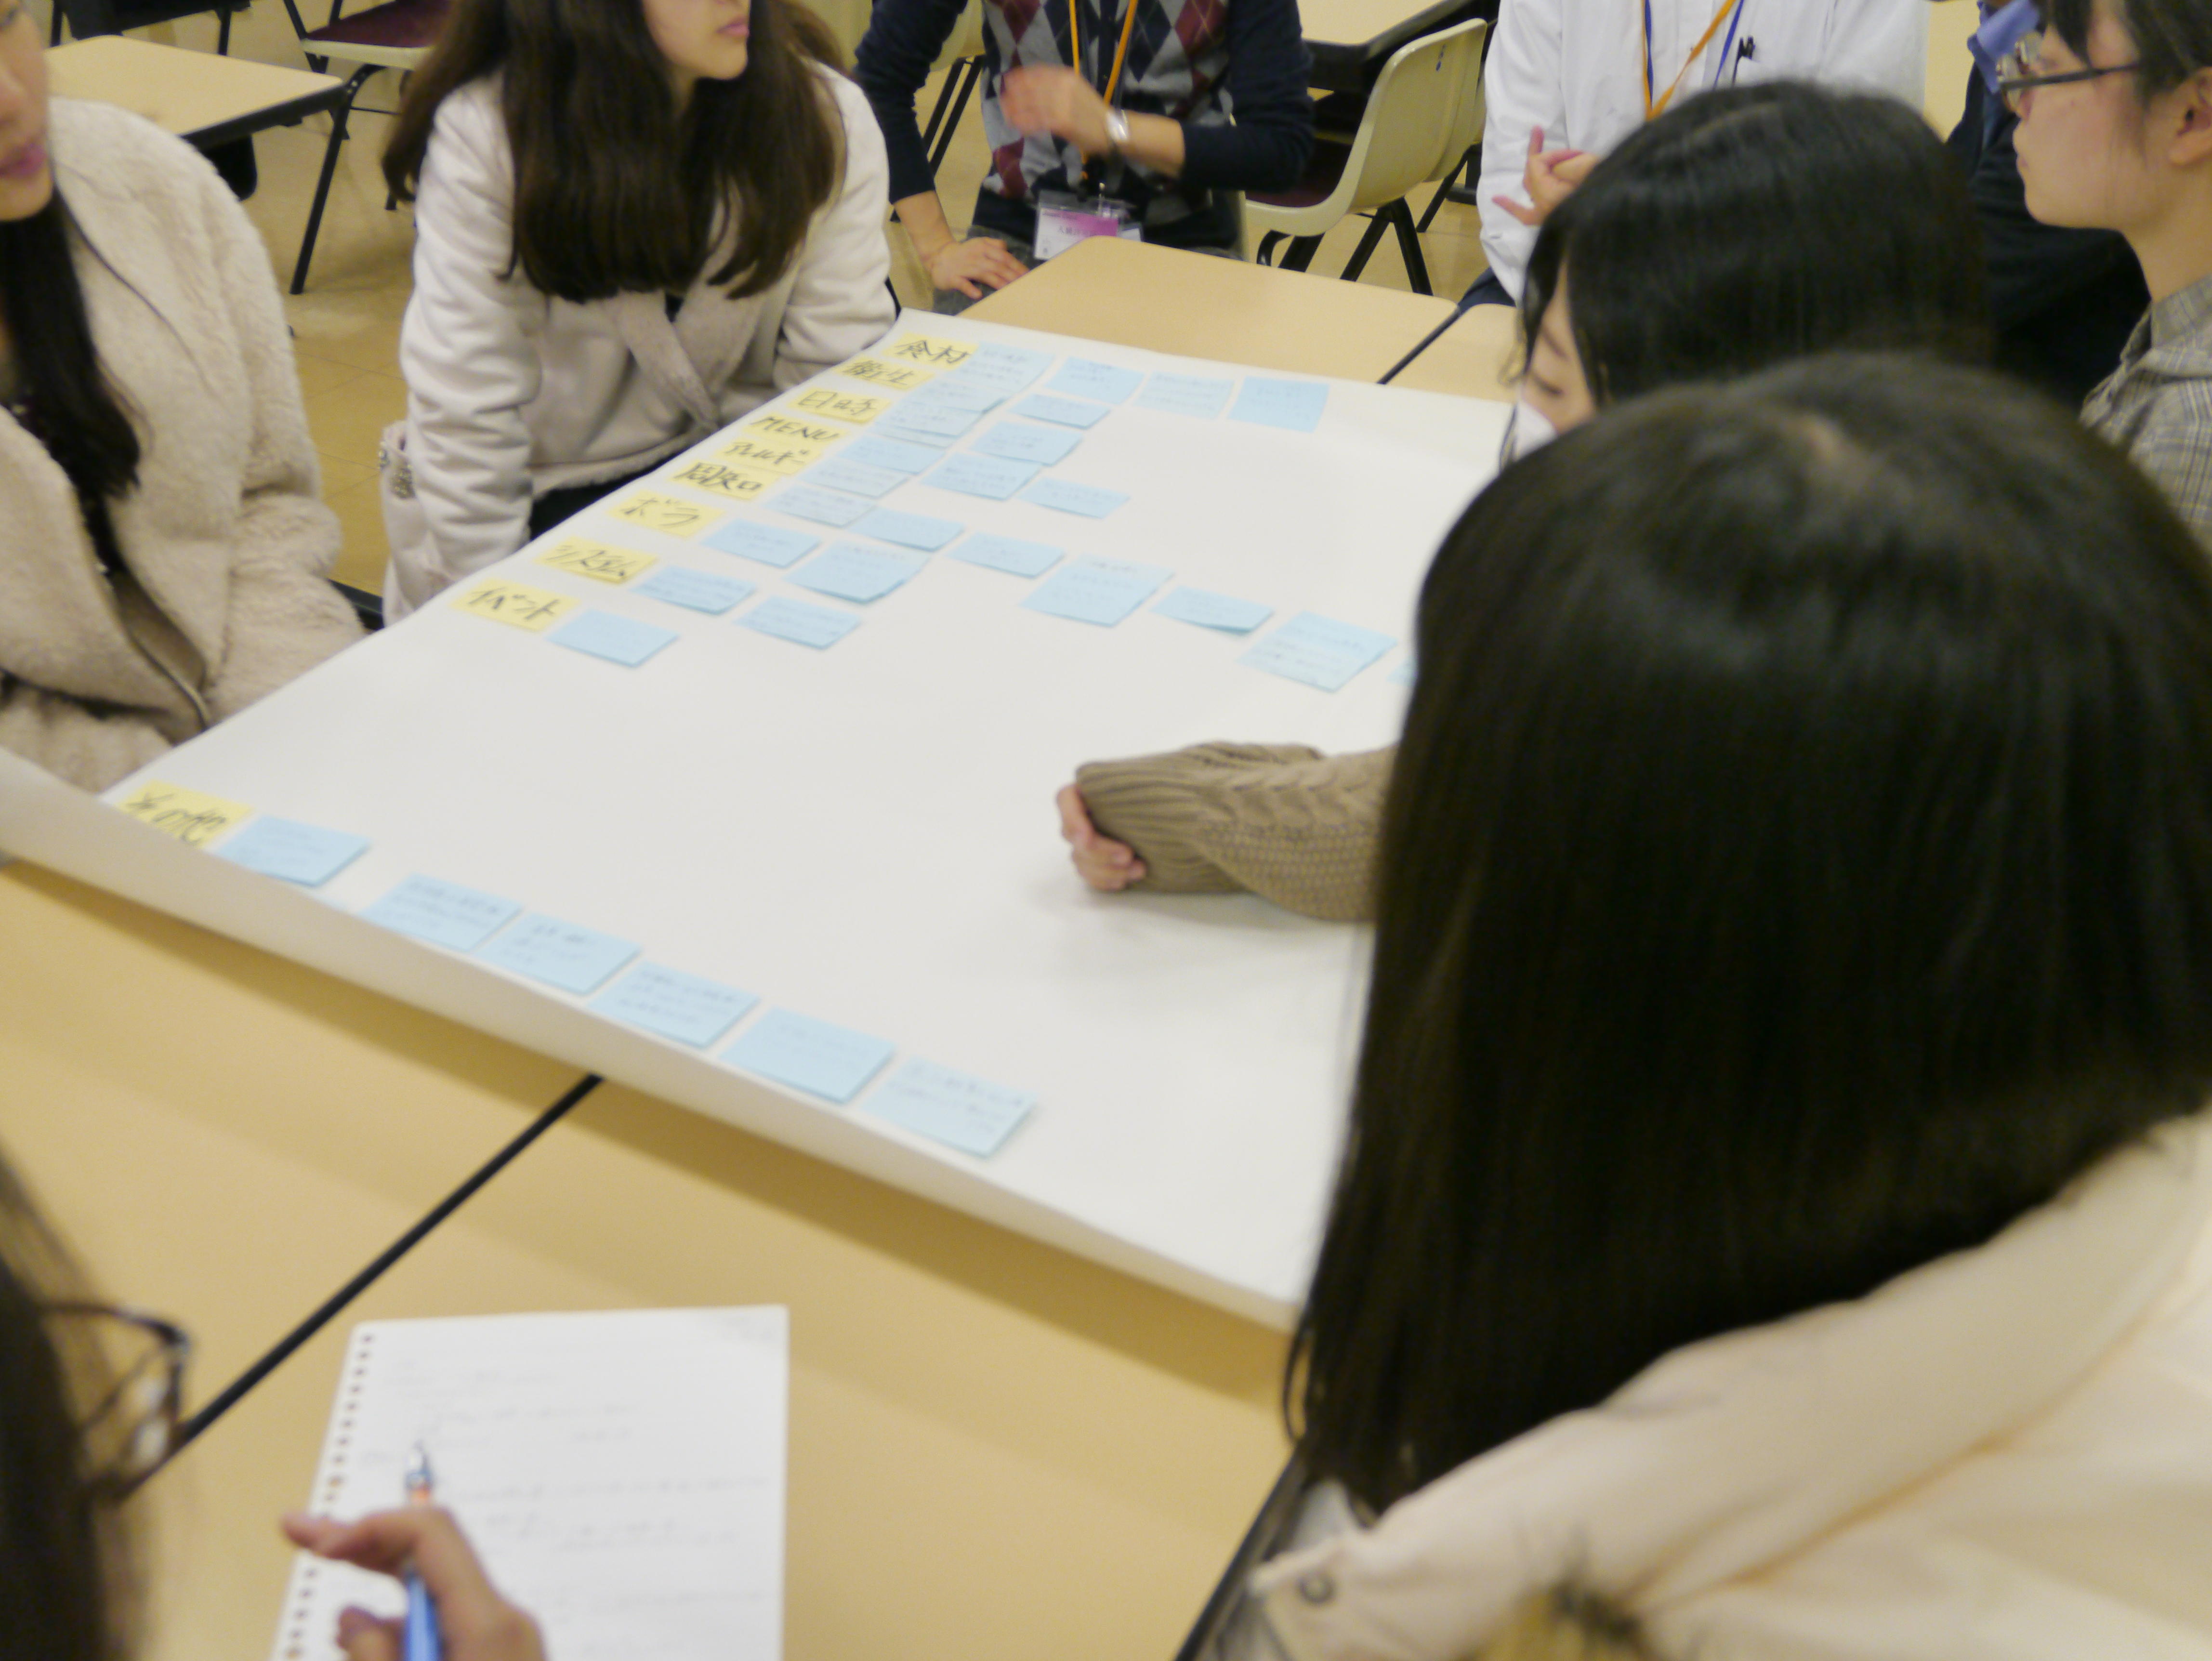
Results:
[346, 325]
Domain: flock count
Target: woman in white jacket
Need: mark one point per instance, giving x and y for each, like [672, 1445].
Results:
[636, 220]
[1778, 1181]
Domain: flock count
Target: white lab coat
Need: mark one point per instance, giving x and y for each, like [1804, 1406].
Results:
[1575, 69]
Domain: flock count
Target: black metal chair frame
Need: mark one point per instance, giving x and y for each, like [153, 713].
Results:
[937, 137]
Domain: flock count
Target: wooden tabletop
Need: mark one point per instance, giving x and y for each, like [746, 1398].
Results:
[190, 93]
[1134, 294]
[997, 1450]
[1356, 23]
[1475, 357]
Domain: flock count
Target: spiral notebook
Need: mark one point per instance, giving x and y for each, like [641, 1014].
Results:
[620, 1474]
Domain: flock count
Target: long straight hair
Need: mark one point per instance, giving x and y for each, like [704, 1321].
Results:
[2173, 38]
[1797, 866]
[76, 410]
[614, 190]
[1755, 224]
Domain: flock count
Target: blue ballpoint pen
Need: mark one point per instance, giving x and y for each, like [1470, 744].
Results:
[422, 1641]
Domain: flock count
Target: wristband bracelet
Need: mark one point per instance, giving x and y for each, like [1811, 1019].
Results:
[1117, 129]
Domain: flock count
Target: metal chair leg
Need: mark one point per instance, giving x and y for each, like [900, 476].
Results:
[1261, 255]
[1409, 244]
[222, 33]
[1371, 240]
[967, 72]
[330, 169]
[1300, 253]
[1451, 190]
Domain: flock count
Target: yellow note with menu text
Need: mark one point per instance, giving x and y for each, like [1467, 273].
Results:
[596, 561]
[738, 483]
[669, 515]
[899, 377]
[186, 815]
[776, 455]
[513, 604]
[792, 430]
[858, 408]
[936, 354]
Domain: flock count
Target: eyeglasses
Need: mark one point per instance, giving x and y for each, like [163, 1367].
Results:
[131, 1430]
[2021, 78]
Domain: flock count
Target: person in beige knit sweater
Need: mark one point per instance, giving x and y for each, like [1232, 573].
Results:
[1703, 247]
[163, 547]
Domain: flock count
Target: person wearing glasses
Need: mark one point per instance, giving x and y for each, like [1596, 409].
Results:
[1167, 109]
[2115, 105]
[91, 1396]
[1703, 247]
[1777, 1195]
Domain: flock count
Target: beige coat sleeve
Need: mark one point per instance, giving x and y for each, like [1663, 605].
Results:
[1283, 821]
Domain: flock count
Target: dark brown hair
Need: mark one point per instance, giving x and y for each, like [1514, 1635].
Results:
[2173, 38]
[1798, 865]
[615, 189]
[74, 411]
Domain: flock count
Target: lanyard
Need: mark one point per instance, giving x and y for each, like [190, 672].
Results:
[1657, 106]
[1121, 52]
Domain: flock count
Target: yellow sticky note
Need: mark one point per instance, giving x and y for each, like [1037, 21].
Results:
[936, 354]
[792, 430]
[511, 603]
[669, 515]
[858, 408]
[777, 455]
[738, 483]
[186, 815]
[900, 377]
[596, 561]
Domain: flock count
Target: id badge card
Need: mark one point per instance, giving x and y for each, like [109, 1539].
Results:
[1064, 219]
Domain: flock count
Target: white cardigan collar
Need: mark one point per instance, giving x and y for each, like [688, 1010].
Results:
[1728, 1455]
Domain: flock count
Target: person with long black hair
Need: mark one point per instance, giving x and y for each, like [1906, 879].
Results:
[1703, 247]
[1777, 1196]
[636, 220]
[163, 546]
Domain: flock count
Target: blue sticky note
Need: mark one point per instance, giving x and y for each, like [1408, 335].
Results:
[929, 423]
[891, 453]
[829, 1061]
[958, 1108]
[689, 1008]
[305, 854]
[909, 530]
[1021, 559]
[1100, 591]
[1018, 441]
[795, 620]
[443, 912]
[1293, 405]
[845, 472]
[1009, 369]
[851, 572]
[1186, 394]
[563, 954]
[1403, 674]
[1211, 611]
[823, 507]
[695, 591]
[618, 640]
[764, 543]
[1081, 377]
[1317, 650]
[1061, 411]
[982, 475]
[1062, 496]
[956, 391]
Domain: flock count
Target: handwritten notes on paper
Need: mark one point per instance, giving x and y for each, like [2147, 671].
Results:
[850, 473]
[796, 621]
[669, 515]
[738, 483]
[899, 377]
[993, 478]
[896, 455]
[1186, 395]
[1021, 559]
[1317, 651]
[829, 1061]
[1100, 591]
[909, 530]
[1018, 441]
[957, 1108]
[849, 571]
[1062, 496]
[1212, 611]
[764, 544]
[307, 854]
[1004, 368]
[927, 424]
[443, 912]
[596, 561]
[1295, 406]
[858, 408]
[689, 1008]
[791, 429]
[1061, 411]
[697, 591]
[1079, 377]
[932, 353]
[763, 453]
[823, 507]
[618, 640]
[515, 605]
[190, 818]
[563, 954]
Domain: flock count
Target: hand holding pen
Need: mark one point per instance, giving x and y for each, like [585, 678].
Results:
[474, 1622]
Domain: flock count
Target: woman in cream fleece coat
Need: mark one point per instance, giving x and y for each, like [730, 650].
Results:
[225, 545]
